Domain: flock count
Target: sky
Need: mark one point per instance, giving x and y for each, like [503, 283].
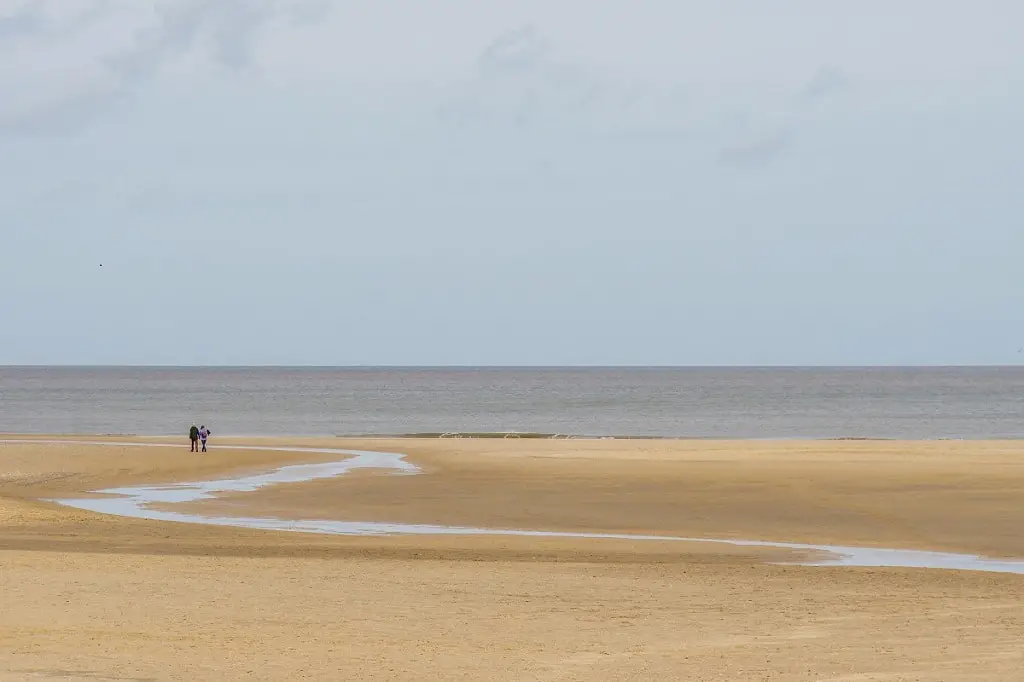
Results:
[556, 182]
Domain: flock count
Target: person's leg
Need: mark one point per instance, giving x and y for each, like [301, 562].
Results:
[204, 445]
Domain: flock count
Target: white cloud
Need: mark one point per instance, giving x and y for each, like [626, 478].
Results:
[826, 82]
[63, 61]
[522, 79]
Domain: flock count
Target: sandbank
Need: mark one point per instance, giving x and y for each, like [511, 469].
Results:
[92, 596]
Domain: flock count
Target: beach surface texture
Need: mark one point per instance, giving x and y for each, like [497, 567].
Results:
[510, 559]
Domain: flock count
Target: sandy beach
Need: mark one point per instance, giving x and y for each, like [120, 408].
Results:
[86, 596]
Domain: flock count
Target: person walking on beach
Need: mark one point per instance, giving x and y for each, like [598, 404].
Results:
[193, 435]
[204, 433]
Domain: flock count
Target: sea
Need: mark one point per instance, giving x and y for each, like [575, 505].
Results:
[682, 402]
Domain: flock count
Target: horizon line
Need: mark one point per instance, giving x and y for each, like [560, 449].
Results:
[498, 366]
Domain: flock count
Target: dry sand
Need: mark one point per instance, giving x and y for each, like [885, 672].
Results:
[93, 597]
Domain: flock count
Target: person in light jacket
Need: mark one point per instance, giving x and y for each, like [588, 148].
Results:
[204, 433]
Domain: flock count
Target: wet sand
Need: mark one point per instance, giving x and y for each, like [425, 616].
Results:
[89, 596]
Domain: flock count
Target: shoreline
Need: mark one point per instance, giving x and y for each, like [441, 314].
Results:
[90, 595]
[520, 435]
[161, 501]
[137, 501]
[918, 495]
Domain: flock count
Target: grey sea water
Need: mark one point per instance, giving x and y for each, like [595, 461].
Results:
[916, 403]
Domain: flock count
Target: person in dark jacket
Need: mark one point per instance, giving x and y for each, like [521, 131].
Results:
[193, 435]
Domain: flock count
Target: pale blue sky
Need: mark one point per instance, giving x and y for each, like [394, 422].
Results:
[558, 182]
